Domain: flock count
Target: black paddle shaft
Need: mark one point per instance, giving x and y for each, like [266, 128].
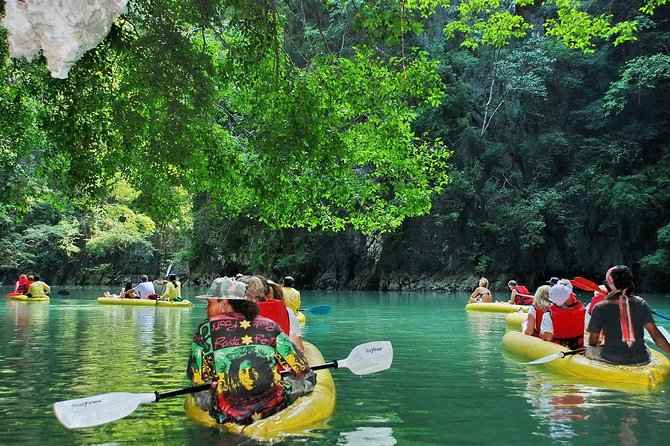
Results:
[184, 391]
[327, 365]
[572, 352]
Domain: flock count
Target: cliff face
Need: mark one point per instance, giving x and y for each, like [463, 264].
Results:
[62, 30]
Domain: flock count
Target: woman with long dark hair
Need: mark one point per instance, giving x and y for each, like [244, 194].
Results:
[622, 317]
[172, 289]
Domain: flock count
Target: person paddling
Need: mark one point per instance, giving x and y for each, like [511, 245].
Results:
[172, 289]
[38, 288]
[622, 317]
[238, 352]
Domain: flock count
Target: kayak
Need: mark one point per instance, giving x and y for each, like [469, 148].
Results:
[143, 302]
[495, 307]
[513, 321]
[22, 298]
[531, 348]
[299, 416]
[302, 319]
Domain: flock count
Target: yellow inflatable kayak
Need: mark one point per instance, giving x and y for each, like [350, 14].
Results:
[143, 302]
[22, 298]
[531, 348]
[302, 319]
[302, 414]
[495, 307]
[513, 321]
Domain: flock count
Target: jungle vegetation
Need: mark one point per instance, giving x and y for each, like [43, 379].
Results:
[353, 144]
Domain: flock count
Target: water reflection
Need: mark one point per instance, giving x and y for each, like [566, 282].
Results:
[450, 383]
[366, 436]
[557, 407]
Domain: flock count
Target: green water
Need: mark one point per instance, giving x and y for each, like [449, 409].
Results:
[450, 382]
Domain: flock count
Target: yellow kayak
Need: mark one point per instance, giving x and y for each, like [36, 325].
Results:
[143, 302]
[513, 321]
[299, 416]
[531, 348]
[495, 307]
[302, 319]
[22, 298]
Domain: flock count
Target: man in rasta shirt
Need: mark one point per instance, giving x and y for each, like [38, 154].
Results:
[241, 354]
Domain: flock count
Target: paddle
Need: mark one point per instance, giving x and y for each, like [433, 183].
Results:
[316, 309]
[95, 410]
[167, 274]
[553, 356]
[661, 316]
[59, 292]
[588, 285]
[664, 332]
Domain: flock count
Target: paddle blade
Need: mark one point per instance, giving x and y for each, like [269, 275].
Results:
[367, 358]
[544, 359]
[99, 409]
[63, 292]
[317, 309]
[585, 284]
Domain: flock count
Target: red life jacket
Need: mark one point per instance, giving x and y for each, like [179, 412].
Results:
[568, 325]
[597, 298]
[538, 320]
[522, 300]
[23, 286]
[276, 310]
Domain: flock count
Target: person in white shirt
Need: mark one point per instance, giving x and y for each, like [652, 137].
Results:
[145, 288]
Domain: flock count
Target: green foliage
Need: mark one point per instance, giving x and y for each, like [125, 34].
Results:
[486, 22]
[195, 121]
[650, 6]
[660, 259]
[642, 73]
[40, 246]
[578, 29]
[116, 229]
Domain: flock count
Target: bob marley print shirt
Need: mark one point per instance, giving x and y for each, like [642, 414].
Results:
[244, 358]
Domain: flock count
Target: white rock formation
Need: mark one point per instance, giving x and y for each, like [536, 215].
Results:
[63, 29]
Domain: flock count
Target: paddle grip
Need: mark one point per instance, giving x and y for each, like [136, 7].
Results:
[184, 391]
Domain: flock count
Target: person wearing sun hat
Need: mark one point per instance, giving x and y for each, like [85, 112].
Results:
[238, 352]
[563, 323]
